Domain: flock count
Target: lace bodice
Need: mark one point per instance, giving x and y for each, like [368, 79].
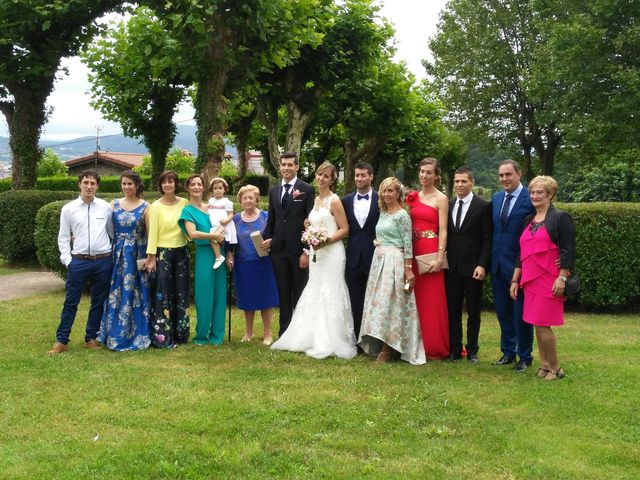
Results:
[321, 215]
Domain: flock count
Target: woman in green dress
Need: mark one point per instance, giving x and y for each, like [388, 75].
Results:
[390, 323]
[210, 284]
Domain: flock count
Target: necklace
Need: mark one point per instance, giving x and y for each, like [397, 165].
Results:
[249, 218]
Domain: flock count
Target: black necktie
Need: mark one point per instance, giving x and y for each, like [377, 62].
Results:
[365, 197]
[459, 215]
[286, 198]
[504, 214]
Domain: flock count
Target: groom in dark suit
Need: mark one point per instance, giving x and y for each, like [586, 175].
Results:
[289, 205]
[362, 212]
[509, 208]
[468, 253]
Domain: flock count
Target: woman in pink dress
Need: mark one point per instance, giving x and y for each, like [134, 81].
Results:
[429, 211]
[547, 256]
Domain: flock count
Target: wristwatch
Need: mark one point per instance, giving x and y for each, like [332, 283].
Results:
[563, 278]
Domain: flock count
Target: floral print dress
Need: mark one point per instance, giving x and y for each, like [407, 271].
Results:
[127, 310]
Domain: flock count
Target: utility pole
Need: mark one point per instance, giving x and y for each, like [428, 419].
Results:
[95, 156]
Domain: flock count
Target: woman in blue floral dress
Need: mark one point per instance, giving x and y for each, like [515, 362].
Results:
[125, 322]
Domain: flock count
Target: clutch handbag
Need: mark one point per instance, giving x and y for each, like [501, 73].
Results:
[424, 262]
[572, 285]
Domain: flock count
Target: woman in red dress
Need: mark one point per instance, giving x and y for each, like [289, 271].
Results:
[429, 210]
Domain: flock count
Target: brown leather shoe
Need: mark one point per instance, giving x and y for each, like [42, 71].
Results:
[58, 348]
[92, 345]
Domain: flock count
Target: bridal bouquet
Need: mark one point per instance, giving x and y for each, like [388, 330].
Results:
[314, 236]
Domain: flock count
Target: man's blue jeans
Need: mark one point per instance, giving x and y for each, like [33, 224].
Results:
[98, 272]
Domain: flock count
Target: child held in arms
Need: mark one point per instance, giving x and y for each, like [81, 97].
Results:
[221, 216]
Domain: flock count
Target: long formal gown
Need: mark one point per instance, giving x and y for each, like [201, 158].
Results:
[539, 271]
[125, 322]
[255, 282]
[430, 292]
[390, 315]
[322, 322]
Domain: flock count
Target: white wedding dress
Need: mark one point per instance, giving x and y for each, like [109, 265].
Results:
[322, 322]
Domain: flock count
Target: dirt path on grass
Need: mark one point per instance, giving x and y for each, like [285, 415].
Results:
[25, 284]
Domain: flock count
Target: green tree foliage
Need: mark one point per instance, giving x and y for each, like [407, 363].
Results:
[180, 161]
[137, 81]
[50, 165]
[593, 61]
[34, 36]
[227, 39]
[489, 56]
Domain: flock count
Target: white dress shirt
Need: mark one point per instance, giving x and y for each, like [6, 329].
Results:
[283, 183]
[361, 207]
[466, 201]
[88, 226]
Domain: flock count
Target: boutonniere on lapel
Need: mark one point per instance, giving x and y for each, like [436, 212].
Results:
[296, 193]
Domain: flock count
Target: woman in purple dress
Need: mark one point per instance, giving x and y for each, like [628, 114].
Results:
[254, 280]
[547, 256]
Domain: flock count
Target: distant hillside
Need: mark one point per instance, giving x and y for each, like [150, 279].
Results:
[185, 139]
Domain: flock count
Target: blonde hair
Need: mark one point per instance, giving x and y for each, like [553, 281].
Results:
[389, 182]
[219, 180]
[249, 189]
[548, 183]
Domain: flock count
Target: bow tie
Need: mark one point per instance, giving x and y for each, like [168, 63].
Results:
[363, 197]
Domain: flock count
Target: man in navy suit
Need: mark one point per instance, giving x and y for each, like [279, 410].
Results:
[468, 252]
[509, 208]
[362, 212]
[289, 205]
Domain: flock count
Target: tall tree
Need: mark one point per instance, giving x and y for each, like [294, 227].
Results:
[34, 36]
[486, 57]
[136, 81]
[229, 38]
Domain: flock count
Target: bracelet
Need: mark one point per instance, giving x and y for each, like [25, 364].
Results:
[407, 266]
[306, 251]
[442, 248]
[515, 281]
[563, 278]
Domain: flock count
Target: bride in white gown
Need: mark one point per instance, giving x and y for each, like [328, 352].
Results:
[322, 323]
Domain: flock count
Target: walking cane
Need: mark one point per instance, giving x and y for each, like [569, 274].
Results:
[229, 298]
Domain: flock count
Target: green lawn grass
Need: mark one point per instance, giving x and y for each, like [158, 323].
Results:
[243, 411]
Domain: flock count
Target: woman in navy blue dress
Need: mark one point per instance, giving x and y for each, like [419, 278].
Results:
[125, 322]
[255, 282]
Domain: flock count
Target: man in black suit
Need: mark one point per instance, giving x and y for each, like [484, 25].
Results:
[289, 205]
[469, 254]
[362, 212]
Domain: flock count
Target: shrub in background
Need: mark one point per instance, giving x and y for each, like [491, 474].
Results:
[18, 210]
[260, 181]
[5, 184]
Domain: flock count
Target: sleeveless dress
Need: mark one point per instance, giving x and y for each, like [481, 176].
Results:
[322, 323]
[538, 256]
[429, 288]
[390, 315]
[125, 321]
[255, 282]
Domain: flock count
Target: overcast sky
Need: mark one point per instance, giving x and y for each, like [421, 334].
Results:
[414, 21]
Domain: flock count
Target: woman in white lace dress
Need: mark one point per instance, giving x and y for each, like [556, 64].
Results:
[322, 323]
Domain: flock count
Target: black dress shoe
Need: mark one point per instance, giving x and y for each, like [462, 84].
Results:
[473, 358]
[522, 366]
[504, 360]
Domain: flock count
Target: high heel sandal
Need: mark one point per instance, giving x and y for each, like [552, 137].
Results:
[385, 355]
[267, 341]
[246, 338]
[542, 372]
[554, 374]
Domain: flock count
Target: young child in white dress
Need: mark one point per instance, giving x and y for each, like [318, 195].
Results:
[221, 216]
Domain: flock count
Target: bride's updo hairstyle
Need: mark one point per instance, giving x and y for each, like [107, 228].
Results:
[389, 182]
[332, 171]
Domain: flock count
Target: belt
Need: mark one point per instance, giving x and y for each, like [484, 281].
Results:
[82, 256]
[424, 234]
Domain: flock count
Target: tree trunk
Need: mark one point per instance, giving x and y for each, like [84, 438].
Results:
[268, 116]
[353, 155]
[159, 136]
[547, 153]
[25, 118]
[527, 171]
[242, 131]
[297, 123]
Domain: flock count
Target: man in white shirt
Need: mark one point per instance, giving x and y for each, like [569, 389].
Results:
[84, 241]
[469, 255]
[362, 212]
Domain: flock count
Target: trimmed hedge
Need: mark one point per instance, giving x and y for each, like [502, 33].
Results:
[18, 210]
[5, 184]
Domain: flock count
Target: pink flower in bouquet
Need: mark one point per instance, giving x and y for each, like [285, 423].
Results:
[314, 236]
